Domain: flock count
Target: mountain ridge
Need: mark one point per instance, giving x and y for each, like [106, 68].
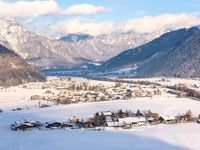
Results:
[14, 70]
[160, 56]
[42, 52]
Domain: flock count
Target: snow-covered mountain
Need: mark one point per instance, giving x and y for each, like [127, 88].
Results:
[43, 52]
[37, 50]
[176, 53]
[108, 45]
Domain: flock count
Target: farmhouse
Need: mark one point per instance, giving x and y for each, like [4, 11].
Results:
[67, 125]
[22, 127]
[53, 125]
[107, 115]
[167, 119]
[25, 125]
[114, 124]
[153, 120]
[132, 121]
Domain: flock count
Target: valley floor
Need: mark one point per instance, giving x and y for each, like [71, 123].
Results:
[166, 137]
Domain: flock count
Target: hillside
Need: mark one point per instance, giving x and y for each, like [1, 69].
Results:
[14, 70]
[175, 53]
[69, 51]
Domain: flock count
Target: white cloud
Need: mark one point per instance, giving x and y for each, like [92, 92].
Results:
[83, 26]
[26, 10]
[34, 8]
[23, 9]
[161, 22]
[84, 9]
[144, 24]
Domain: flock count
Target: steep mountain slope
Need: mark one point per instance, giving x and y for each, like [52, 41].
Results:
[14, 70]
[106, 46]
[37, 50]
[4, 42]
[69, 51]
[182, 62]
[173, 54]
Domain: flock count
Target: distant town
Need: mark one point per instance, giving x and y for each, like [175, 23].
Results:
[65, 91]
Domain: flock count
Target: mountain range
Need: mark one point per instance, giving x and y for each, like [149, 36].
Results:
[69, 51]
[14, 70]
[176, 53]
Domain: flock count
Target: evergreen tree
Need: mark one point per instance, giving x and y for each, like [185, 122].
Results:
[138, 113]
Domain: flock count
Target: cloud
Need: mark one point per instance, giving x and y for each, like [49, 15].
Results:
[26, 10]
[35, 8]
[84, 9]
[146, 24]
[161, 22]
[83, 26]
[23, 9]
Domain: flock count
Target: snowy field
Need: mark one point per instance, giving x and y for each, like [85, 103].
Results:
[167, 137]
[171, 137]
[15, 97]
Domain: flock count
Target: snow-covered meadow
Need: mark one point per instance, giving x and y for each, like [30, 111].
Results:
[172, 137]
[18, 97]
[167, 137]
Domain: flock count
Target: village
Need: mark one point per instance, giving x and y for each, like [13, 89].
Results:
[65, 91]
[108, 120]
[72, 107]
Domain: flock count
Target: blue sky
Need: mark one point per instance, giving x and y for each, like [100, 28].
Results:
[110, 13]
[127, 9]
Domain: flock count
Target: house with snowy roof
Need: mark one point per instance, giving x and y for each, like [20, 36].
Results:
[132, 121]
[23, 125]
[167, 118]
